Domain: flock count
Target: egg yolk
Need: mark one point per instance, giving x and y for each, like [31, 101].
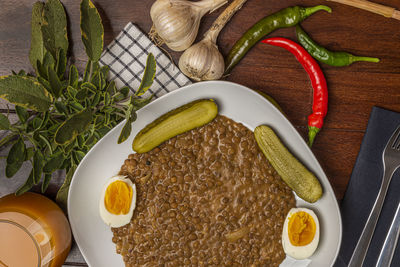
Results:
[118, 198]
[301, 228]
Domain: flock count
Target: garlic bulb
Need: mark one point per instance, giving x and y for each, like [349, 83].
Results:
[203, 61]
[176, 22]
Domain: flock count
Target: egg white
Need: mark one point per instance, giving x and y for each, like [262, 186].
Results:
[113, 220]
[300, 252]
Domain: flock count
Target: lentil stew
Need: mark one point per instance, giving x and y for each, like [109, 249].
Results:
[207, 197]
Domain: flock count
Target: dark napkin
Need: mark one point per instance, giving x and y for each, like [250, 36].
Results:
[363, 189]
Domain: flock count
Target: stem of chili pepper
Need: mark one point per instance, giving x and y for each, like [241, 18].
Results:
[318, 81]
[337, 59]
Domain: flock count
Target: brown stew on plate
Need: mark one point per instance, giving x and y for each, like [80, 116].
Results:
[207, 197]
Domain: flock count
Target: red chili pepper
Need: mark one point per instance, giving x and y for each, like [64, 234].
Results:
[318, 81]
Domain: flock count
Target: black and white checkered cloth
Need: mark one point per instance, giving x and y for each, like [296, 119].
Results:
[126, 56]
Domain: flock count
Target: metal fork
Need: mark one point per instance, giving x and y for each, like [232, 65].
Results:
[391, 161]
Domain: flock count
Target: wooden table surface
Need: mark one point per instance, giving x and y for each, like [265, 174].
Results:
[353, 90]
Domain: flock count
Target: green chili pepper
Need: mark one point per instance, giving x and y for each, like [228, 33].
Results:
[337, 59]
[284, 18]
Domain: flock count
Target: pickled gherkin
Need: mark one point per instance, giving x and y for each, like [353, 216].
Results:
[177, 121]
[295, 174]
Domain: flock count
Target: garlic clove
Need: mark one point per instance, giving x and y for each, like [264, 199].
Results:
[202, 61]
[176, 22]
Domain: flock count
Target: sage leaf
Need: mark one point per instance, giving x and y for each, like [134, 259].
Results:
[103, 81]
[107, 118]
[53, 163]
[107, 99]
[55, 83]
[38, 163]
[21, 113]
[44, 82]
[71, 91]
[25, 92]
[29, 153]
[37, 50]
[12, 169]
[81, 94]
[96, 99]
[76, 106]
[46, 182]
[54, 28]
[61, 62]
[26, 186]
[125, 132]
[91, 30]
[89, 86]
[60, 106]
[111, 89]
[62, 194]
[96, 80]
[73, 76]
[76, 124]
[4, 122]
[15, 158]
[41, 70]
[148, 75]
[48, 62]
[17, 152]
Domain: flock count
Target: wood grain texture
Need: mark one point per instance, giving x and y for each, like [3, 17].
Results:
[353, 90]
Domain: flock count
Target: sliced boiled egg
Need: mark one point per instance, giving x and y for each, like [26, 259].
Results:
[300, 234]
[118, 201]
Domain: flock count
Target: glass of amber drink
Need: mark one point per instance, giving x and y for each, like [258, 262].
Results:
[33, 232]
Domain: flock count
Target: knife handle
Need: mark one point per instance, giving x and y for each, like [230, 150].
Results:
[386, 255]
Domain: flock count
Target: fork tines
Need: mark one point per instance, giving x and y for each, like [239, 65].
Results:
[396, 139]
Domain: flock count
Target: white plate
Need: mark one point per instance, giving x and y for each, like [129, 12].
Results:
[236, 102]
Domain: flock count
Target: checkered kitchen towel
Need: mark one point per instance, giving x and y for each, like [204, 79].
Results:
[126, 56]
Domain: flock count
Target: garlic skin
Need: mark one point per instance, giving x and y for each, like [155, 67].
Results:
[176, 22]
[202, 61]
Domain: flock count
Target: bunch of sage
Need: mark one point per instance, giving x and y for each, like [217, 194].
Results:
[60, 115]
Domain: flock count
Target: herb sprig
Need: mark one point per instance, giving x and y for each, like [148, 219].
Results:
[60, 115]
